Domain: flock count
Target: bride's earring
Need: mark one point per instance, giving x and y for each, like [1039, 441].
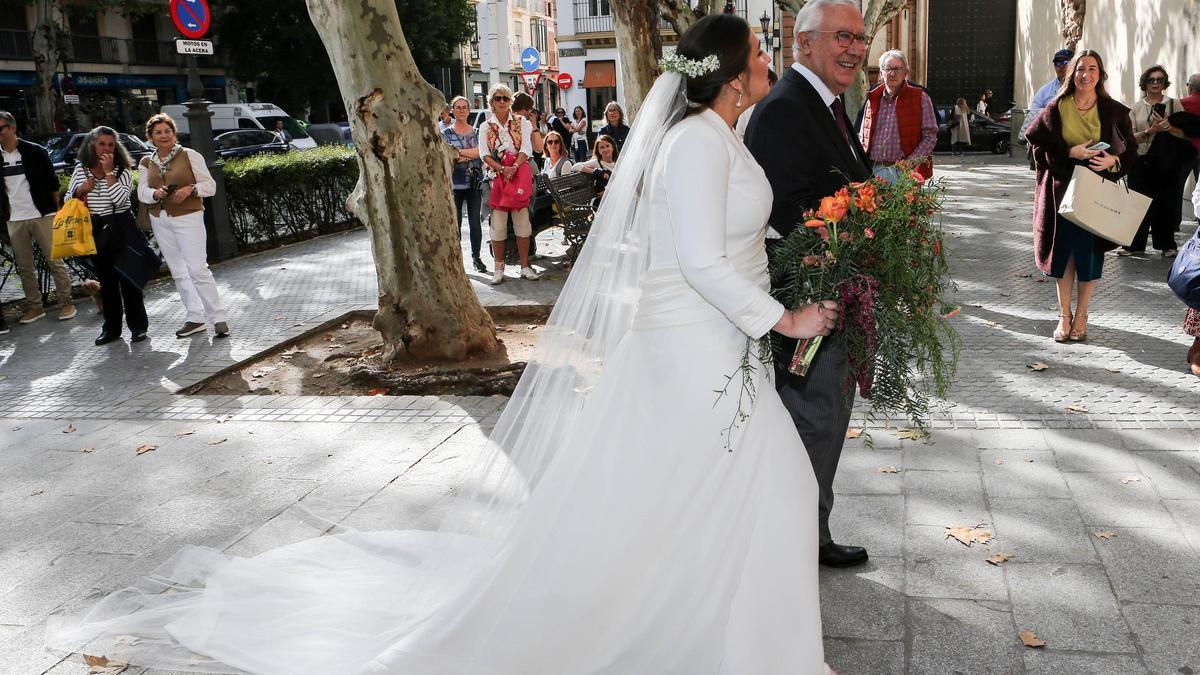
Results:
[738, 103]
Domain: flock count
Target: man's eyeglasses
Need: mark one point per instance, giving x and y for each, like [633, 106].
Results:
[500, 99]
[1059, 64]
[894, 70]
[844, 37]
[1156, 80]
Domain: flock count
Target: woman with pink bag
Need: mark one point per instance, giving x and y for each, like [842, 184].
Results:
[508, 141]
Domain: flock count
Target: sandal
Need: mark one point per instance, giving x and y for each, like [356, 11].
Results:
[1170, 253]
[1059, 334]
[1077, 335]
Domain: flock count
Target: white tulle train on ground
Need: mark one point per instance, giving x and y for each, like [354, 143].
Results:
[655, 543]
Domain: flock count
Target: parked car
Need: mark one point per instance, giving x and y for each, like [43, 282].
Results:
[246, 142]
[986, 133]
[331, 133]
[64, 149]
[235, 116]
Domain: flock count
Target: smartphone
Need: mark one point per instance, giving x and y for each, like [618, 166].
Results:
[1099, 146]
[1160, 109]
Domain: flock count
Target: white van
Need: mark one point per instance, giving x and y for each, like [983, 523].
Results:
[232, 116]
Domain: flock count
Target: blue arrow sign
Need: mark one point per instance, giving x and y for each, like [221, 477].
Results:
[531, 59]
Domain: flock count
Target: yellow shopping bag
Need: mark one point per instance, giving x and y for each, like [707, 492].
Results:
[73, 231]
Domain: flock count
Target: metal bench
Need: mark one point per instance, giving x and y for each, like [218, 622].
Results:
[571, 196]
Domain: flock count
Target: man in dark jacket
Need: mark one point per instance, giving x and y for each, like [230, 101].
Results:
[28, 203]
[801, 137]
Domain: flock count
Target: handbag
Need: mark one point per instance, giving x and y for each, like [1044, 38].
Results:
[72, 231]
[1184, 278]
[1105, 208]
[515, 193]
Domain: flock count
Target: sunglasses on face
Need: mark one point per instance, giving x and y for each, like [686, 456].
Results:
[553, 143]
[500, 99]
[1156, 80]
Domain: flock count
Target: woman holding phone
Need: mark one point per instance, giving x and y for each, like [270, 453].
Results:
[1160, 171]
[1061, 138]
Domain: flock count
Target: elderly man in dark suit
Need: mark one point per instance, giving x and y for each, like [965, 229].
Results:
[800, 135]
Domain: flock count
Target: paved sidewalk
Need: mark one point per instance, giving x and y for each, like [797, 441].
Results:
[235, 473]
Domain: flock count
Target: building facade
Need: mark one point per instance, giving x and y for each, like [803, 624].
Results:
[587, 49]
[124, 67]
[505, 30]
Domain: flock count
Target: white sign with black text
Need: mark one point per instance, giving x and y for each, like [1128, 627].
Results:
[199, 47]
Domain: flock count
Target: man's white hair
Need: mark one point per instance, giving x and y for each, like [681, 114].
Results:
[1194, 82]
[892, 54]
[810, 16]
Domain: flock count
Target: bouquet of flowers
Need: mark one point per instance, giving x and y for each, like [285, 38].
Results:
[875, 248]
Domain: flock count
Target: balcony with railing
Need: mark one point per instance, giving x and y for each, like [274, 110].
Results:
[152, 52]
[93, 49]
[595, 16]
[16, 44]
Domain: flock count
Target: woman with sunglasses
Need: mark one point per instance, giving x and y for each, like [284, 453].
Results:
[468, 171]
[1162, 166]
[557, 162]
[508, 143]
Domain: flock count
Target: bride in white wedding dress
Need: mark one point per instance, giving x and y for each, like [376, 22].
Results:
[627, 519]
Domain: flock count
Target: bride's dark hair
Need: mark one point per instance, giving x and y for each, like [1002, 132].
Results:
[728, 37]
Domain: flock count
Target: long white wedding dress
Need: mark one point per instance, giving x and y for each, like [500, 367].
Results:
[665, 546]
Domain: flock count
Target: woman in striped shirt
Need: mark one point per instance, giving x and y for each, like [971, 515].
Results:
[103, 179]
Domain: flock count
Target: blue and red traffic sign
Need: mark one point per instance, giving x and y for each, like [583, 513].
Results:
[191, 17]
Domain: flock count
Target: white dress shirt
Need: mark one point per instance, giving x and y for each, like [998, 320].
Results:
[823, 91]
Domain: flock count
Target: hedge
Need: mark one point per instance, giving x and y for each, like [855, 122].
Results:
[273, 197]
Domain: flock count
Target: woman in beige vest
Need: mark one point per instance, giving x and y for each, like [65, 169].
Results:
[172, 181]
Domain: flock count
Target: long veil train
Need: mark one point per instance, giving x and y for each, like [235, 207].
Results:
[334, 604]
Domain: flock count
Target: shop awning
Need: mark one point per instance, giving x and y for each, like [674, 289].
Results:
[599, 74]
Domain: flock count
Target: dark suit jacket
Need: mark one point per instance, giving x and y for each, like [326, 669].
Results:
[798, 144]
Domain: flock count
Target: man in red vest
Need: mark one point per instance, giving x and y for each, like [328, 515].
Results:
[898, 121]
[1191, 103]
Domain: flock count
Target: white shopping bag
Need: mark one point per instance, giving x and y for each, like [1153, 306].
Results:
[1104, 208]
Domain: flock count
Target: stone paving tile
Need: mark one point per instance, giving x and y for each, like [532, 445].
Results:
[944, 498]
[1021, 473]
[1169, 636]
[962, 636]
[1069, 606]
[870, 602]
[1042, 530]
[1052, 662]
[938, 567]
[1172, 578]
[864, 657]
[1104, 501]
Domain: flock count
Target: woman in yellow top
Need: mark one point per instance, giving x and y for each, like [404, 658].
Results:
[1080, 116]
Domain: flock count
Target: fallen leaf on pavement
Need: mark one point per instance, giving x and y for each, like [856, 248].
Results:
[98, 665]
[88, 450]
[146, 447]
[887, 469]
[37, 493]
[977, 304]
[378, 391]
[184, 433]
[1038, 366]
[1029, 459]
[318, 375]
[1006, 295]
[1022, 276]
[854, 432]
[969, 535]
[1112, 369]
[1077, 407]
[1000, 559]
[993, 324]
[70, 429]
[909, 434]
[997, 461]
[218, 442]
[1130, 479]
[1107, 534]
[222, 420]
[1030, 639]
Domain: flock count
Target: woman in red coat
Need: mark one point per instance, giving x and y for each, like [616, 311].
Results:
[1081, 115]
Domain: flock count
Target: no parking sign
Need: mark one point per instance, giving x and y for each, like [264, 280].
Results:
[191, 17]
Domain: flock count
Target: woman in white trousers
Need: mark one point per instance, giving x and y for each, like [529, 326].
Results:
[172, 182]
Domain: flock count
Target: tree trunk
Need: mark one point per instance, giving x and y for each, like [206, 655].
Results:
[46, 62]
[639, 46]
[680, 15]
[427, 307]
[1073, 12]
[876, 15]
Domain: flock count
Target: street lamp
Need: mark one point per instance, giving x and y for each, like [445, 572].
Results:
[768, 37]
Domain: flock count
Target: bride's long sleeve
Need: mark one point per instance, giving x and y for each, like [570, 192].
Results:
[696, 177]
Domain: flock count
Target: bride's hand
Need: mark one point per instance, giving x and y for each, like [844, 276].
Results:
[808, 321]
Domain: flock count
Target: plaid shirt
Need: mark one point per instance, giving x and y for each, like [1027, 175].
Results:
[885, 136]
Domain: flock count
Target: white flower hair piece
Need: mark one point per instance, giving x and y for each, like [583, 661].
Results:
[674, 63]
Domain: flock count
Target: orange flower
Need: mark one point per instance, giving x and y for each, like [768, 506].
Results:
[815, 222]
[910, 196]
[834, 208]
[865, 199]
[869, 232]
[937, 247]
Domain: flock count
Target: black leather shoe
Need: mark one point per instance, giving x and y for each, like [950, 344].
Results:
[138, 336]
[106, 337]
[836, 555]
